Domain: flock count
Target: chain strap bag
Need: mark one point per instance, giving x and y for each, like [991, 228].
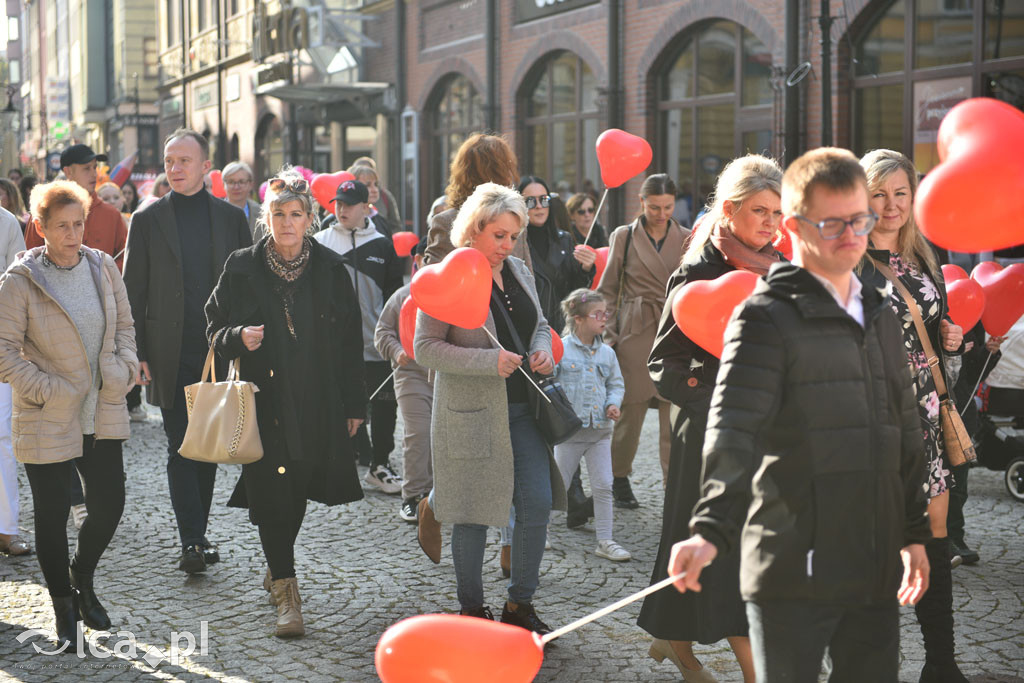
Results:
[222, 424]
[959, 447]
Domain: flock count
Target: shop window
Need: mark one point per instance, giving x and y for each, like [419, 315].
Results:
[562, 122]
[714, 103]
[458, 112]
[269, 147]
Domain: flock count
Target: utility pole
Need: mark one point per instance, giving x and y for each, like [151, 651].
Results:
[825, 22]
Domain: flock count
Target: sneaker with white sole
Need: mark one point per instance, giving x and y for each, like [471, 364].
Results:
[610, 550]
[408, 509]
[78, 515]
[384, 478]
[138, 414]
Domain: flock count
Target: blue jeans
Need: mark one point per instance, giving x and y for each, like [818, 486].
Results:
[531, 498]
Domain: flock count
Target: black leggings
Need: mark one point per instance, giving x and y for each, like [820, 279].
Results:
[102, 472]
[278, 537]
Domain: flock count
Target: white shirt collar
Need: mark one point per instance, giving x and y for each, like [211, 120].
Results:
[854, 306]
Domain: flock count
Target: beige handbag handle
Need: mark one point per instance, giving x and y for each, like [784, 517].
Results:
[210, 369]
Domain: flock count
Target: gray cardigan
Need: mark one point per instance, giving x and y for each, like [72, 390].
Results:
[470, 441]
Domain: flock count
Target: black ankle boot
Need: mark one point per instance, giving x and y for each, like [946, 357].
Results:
[89, 606]
[935, 615]
[579, 507]
[65, 614]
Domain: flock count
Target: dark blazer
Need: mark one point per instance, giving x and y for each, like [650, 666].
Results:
[153, 276]
[245, 296]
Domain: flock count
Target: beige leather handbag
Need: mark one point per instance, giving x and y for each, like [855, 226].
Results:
[222, 424]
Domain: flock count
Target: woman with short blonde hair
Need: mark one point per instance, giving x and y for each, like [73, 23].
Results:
[484, 206]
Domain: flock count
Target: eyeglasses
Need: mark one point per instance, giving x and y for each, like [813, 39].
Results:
[278, 185]
[238, 183]
[600, 316]
[585, 212]
[542, 201]
[832, 228]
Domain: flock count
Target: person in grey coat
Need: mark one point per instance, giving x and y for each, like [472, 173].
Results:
[487, 450]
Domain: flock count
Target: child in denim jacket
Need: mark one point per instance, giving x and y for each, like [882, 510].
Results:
[589, 373]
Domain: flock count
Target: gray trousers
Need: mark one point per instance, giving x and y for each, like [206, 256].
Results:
[415, 401]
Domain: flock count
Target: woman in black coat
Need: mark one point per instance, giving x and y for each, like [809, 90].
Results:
[735, 234]
[583, 215]
[558, 266]
[286, 308]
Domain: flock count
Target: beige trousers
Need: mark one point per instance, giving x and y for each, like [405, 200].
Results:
[626, 436]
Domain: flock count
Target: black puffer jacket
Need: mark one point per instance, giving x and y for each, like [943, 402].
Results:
[816, 418]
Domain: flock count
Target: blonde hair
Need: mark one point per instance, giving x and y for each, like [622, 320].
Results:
[878, 165]
[272, 199]
[741, 179]
[487, 202]
[362, 170]
[578, 303]
[60, 193]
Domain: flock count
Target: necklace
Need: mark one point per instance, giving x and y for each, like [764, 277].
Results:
[48, 262]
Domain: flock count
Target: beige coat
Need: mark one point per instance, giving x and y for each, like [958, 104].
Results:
[632, 330]
[43, 358]
[439, 243]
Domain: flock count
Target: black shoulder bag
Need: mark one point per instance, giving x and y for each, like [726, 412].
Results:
[555, 418]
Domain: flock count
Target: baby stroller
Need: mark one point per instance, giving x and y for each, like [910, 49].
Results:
[1001, 438]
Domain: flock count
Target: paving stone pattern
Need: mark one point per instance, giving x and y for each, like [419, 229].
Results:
[360, 570]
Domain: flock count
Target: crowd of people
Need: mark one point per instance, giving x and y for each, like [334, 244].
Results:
[807, 488]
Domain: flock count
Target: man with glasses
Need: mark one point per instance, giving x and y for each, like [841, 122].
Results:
[814, 421]
[238, 181]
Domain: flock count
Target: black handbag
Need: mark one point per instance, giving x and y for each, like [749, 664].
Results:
[556, 419]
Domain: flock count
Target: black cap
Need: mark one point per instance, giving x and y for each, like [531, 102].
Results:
[79, 154]
[352, 192]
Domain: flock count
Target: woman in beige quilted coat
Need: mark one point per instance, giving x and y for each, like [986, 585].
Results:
[67, 348]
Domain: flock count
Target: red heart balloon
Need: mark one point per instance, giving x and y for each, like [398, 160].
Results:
[325, 186]
[450, 648]
[557, 348]
[966, 300]
[621, 156]
[702, 309]
[952, 273]
[600, 262]
[984, 271]
[783, 244]
[217, 188]
[457, 290]
[404, 242]
[407, 325]
[1004, 299]
[979, 180]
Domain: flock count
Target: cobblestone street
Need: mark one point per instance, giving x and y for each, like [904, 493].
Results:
[360, 570]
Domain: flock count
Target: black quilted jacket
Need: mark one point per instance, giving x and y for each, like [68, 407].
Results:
[815, 417]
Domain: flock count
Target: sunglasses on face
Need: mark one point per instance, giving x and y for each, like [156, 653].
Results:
[585, 212]
[541, 201]
[278, 185]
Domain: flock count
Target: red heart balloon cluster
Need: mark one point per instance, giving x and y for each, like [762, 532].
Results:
[702, 309]
[621, 156]
[450, 648]
[972, 201]
[457, 290]
[965, 297]
[404, 242]
[217, 188]
[1004, 295]
[325, 186]
[407, 325]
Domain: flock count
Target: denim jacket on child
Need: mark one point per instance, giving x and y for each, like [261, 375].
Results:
[591, 378]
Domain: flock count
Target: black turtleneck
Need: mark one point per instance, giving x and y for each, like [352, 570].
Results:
[192, 214]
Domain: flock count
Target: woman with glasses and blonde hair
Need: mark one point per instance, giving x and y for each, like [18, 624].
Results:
[583, 216]
[286, 308]
[735, 234]
[898, 251]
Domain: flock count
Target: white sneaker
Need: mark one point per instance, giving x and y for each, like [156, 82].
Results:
[138, 414]
[384, 478]
[610, 550]
[78, 514]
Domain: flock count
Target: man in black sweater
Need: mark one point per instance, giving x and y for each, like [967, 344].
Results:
[176, 251]
[814, 422]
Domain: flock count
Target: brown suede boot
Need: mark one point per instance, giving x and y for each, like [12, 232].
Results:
[428, 532]
[285, 593]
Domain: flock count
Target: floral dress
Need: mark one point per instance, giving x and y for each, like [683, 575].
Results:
[924, 291]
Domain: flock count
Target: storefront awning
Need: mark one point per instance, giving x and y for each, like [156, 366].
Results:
[316, 94]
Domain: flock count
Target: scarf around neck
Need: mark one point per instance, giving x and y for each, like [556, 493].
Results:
[739, 255]
[286, 276]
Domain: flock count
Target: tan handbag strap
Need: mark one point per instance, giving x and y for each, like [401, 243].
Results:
[922, 333]
[209, 368]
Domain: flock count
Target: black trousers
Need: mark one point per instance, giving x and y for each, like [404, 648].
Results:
[102, 471]
[957, 500]
[789, 637]
[278, 537]
[382, 416]
[190, 482]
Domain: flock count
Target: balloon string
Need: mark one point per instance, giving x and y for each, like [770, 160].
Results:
[977, 384]
[597, 214]
[654, 588]
[525, 373]
[382, 385]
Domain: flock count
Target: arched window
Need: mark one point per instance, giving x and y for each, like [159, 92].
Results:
[918, 58]
[269, 147]
[458, 112]
[714, 103]
[561, 123]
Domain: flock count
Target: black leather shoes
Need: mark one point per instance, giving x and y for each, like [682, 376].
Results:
[89, 607]
[65, 613]
[966, 554]
[482, 612]
[578, 515]
[526, 617]
[192, 560]
[623, 494]
[211, 554]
